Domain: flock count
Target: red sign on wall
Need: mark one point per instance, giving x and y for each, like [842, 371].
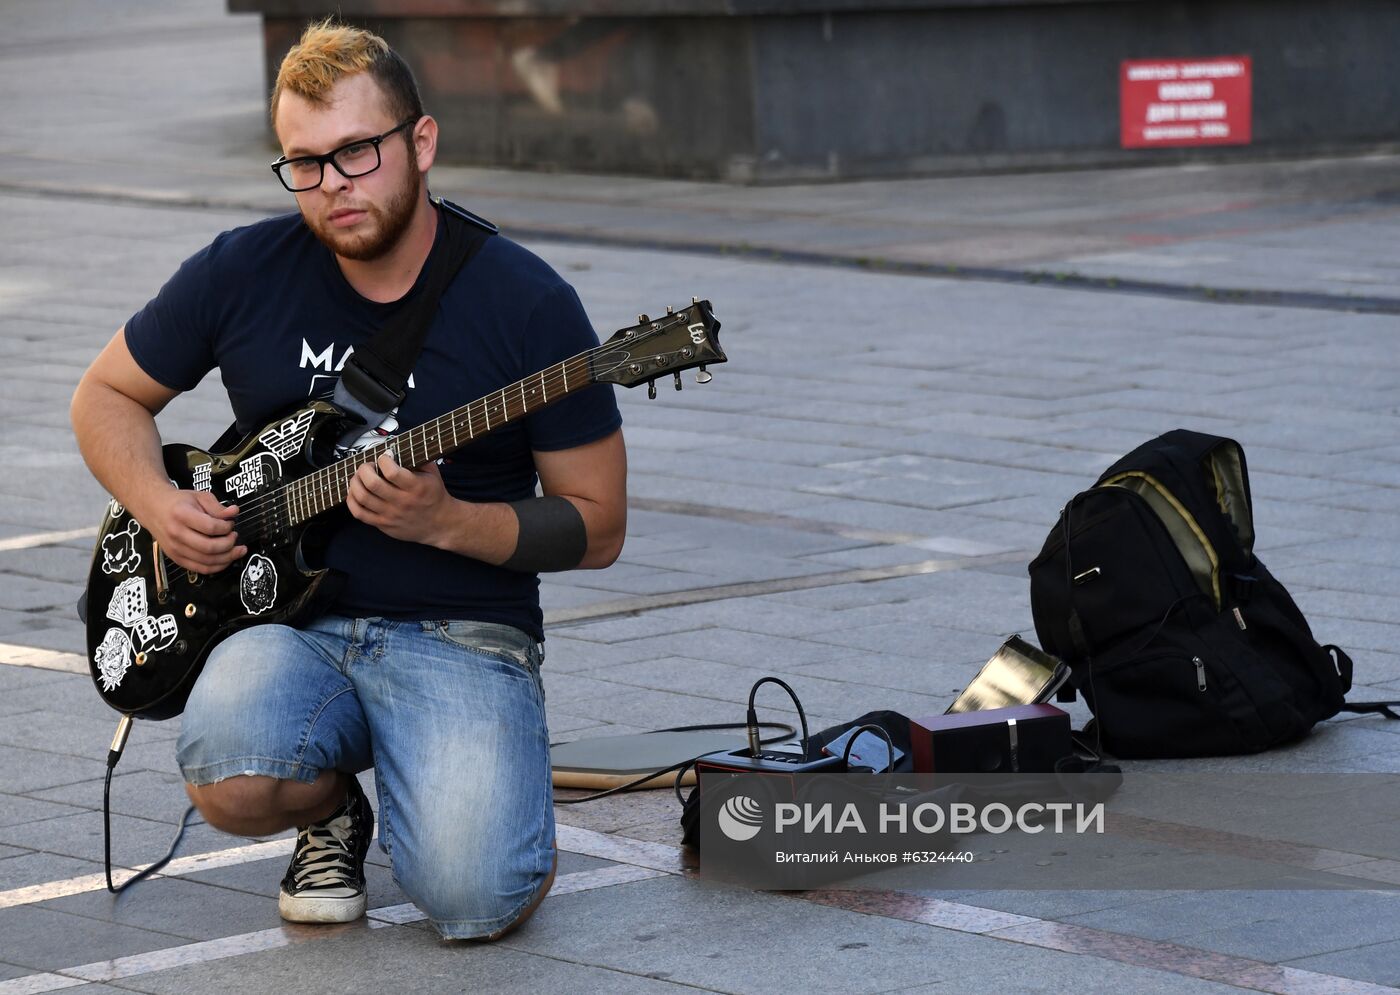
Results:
[1185, 101]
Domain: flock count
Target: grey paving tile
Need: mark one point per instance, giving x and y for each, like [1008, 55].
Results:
[20, 809]
[144, 794]
[30, 868]
[565, 655]
[406, 959]
[45, 939]
[1377, 962]
[648, 929]
[69, 733]
[33, 593]
[661, 709]
[1306, 923]
[23, 770]
[930, 643]
[1080, 974]
[134, 840]
[177, 907]
[55, 563]
[57, 631]
[15, 678]
[73, 695]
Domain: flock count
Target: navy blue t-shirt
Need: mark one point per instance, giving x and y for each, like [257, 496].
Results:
[269, 306]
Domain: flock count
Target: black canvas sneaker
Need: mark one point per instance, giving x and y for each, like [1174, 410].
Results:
[326, 879]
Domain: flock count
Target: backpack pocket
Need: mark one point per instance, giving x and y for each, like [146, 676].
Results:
[1184, 696]
[1120, 574]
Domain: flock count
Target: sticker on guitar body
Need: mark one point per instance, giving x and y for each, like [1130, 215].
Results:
[202, 475]
[113, 658]
[258, 584]
[253, 473]
[128, 604]
[285, 439]
[156, 634]
[119, 550]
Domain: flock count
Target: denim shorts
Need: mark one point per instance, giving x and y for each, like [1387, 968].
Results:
[449, 714]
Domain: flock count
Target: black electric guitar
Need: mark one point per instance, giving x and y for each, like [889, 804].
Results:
[151, 624]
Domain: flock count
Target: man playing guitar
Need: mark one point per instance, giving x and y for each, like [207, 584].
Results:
[426, 668]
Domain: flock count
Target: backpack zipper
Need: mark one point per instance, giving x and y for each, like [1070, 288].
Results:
[1200, 673]
[1239, 619]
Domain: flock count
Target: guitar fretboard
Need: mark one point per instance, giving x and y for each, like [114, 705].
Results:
[327, 487]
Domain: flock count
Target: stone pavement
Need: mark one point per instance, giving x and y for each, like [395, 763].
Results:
[849, 505]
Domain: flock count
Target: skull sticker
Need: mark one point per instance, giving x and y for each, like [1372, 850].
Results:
[119, 550]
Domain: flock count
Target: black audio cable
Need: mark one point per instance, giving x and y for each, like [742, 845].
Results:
[754, 743]
[114, 754]
[877, 730]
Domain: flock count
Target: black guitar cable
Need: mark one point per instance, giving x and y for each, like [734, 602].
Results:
[754, 742]
[114, 754]
[877, 730]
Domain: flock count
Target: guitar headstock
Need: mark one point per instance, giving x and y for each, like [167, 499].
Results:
[676, 341]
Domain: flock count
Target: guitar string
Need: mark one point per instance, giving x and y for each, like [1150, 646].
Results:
[411, 440]
[268, 506]
[265, 506]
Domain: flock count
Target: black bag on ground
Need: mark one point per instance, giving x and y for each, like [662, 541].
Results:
[1181, 641]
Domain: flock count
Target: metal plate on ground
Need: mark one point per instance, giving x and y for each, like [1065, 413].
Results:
[608, 761]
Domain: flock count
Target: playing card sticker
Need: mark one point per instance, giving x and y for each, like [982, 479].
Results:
[128, 604]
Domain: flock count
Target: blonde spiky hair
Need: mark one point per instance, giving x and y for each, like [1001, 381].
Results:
[328, 51]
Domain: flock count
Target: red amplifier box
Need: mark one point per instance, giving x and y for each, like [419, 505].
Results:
[1021, 739]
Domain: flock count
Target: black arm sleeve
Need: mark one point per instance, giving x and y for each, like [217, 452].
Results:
[552, 535]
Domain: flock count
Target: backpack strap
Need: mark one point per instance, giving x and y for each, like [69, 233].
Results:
[1344, 671]
[1386, 708]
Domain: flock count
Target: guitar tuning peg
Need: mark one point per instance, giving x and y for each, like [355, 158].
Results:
[678, 380]
[642, 319]
[695, 300]
[651, 390]
[704, 376]
[670, 309]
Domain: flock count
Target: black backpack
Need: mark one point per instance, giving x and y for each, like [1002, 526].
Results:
[1181, 642]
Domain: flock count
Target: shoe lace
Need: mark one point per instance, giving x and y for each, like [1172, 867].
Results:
[323, 853]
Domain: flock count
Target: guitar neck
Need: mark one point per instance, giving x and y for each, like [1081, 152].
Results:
[327, 487]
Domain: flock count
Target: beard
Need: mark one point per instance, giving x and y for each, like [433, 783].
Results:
[382, 227]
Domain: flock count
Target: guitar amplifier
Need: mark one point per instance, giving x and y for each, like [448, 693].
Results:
[1021, 739]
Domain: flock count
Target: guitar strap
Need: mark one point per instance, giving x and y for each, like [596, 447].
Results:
[372, 383]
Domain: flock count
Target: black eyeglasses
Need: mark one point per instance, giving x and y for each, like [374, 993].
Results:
[350, 160]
